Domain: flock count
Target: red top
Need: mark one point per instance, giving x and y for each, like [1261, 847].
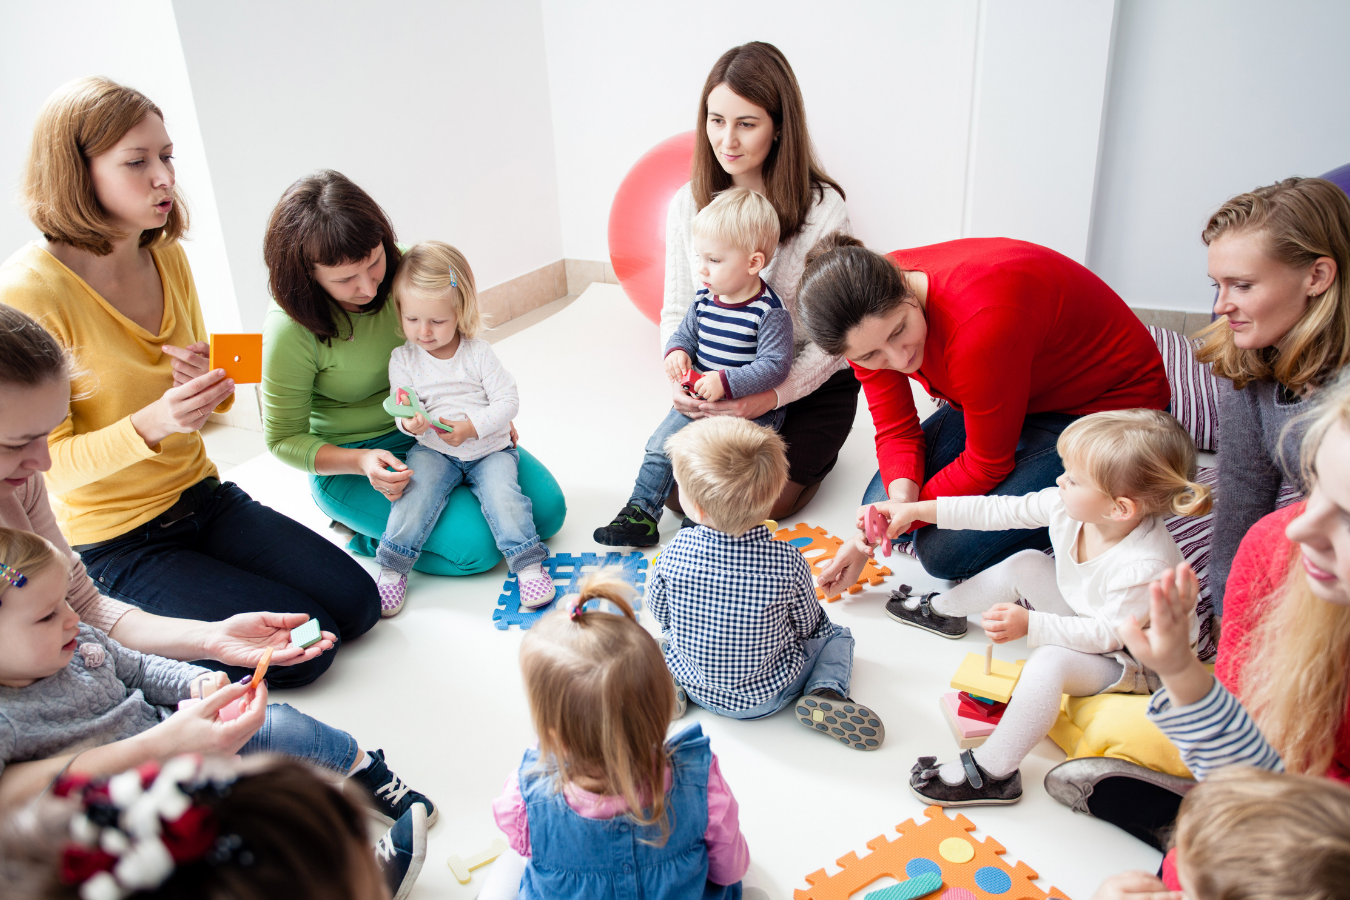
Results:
[1013, 328]
[1259, 569]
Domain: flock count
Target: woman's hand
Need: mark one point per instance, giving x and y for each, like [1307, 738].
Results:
[241, 639]
[751, 406]
[1005, 622]
[677, 363]
[1135, 886]
[375, 465]
[461, 430]
[690, 406]
[192, 361]
[709, 387]
[844, 570]
[197, 729]
[183, 409]
[416, 425]
[1166, 646]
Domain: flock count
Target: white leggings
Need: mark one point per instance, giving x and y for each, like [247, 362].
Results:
[1050, 672]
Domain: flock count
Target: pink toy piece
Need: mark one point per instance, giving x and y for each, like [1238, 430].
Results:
[969, 733]
[876, 525]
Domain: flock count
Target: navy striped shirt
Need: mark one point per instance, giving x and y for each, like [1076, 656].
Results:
[750, 343]
[1213, 732]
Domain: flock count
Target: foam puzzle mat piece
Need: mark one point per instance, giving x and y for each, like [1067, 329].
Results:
[913, 889]
[981, 874]
[567, 572]
[819, 547]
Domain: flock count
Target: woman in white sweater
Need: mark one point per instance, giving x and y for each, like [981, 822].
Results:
[751, 111]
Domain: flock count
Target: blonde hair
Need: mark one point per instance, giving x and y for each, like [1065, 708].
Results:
[742, 218]
[26, 553]
[1302, 219]
[79, 121]
[602, 699]
[1248, 834]
[1143, 454]
[1297, 682]
[437, 269]
[731, 468]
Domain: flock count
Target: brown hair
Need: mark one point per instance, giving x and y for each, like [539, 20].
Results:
[844, 283]
[304, 836]
[1143, 454]
[324, 219]
[793, 179]
[26, 553]
[1248, 834]
[437, 269]
[29, 356]
[1302, 219]
[80, 120]
[731, 468]
[602, 699]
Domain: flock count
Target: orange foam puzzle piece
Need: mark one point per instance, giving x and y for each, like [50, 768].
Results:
[976, 866]
[240, 355]
[822, 548]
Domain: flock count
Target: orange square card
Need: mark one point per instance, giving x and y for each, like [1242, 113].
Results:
[240, 355]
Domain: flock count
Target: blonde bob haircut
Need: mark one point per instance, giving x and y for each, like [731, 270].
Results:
[731, 469]
[602, 699]
[26, 553]
[81, 120]
[1248, 834]
[1302, 220]
[742, 218]
[1142, 454]
[436, 269]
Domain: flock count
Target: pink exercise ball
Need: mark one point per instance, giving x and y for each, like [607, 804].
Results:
[637, 221]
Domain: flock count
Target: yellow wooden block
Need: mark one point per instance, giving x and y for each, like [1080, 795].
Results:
[997, 686]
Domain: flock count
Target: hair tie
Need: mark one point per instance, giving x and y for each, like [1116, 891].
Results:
[13, 575]
[575, 607]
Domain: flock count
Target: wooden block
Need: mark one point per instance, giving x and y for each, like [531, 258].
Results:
[997, 686]
[969, 733]
[240, 355]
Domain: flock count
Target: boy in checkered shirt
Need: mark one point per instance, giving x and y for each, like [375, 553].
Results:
[742, 631]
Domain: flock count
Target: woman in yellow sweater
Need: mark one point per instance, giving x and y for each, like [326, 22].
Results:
[133, 489]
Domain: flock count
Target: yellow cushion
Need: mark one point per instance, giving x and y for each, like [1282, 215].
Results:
[1115, 725]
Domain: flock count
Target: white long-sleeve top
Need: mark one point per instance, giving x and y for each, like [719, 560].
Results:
[811, 366]
[1104, 591]
[473, 384]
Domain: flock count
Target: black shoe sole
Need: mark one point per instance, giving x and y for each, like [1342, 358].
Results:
[842, 720]
[624, 540]
[921, 627]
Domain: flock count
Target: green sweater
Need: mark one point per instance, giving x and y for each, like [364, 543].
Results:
[315, 394]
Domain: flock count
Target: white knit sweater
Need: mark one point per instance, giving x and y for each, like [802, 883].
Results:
[811, 366]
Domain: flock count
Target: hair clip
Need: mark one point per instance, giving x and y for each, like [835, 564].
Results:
[454, 282]
[575, 607]
[13, 575]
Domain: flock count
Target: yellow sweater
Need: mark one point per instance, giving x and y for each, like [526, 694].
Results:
[104, 479]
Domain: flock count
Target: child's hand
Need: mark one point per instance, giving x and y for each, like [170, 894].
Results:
[199, 729]
[1005, 622]
[709, 387]
[1135, 886]
[1166, 646]
[677, 363]
[206, 685]
[900, 514]
[843, 571]
[416, 425]
[460, 431]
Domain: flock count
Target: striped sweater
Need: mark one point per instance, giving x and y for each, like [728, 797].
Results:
[749, 344]
[1213, 732]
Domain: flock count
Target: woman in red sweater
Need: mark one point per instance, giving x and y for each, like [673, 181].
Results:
[1018, 339]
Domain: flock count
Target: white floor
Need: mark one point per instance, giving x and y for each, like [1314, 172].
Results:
[438, 686]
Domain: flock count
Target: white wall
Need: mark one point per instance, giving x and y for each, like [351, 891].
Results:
[135, 42]
[1210, 98]
[440, 110]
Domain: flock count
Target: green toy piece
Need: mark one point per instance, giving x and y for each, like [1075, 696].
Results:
[306, 635]
[403, 404]
[914, 888]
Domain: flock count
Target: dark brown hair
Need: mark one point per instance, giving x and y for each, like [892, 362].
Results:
[81, 120]
[302, 834]
[324, 219]
[842, 284]
[29, 356]
[793, 178]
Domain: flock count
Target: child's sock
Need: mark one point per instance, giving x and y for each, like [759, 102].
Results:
[366, 760]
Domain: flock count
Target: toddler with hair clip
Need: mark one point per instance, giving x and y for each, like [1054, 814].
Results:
[1124, 471]
[606, 805]
[455, 377]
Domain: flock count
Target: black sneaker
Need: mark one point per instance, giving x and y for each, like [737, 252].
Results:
[923, 615]
[402, 850]
[391, 795]
[979, 789]
[631, 528]
[852, 724]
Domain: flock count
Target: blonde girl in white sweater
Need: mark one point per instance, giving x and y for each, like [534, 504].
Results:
[1123, 472]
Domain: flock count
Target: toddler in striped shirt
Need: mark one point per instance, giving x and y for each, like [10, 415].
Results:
[736, 334]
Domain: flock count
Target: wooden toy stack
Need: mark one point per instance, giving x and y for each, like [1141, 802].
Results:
[984, 686]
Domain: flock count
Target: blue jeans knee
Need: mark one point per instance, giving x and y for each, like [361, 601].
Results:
[288, 732]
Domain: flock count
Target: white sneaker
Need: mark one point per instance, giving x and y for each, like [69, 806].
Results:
[536, 587]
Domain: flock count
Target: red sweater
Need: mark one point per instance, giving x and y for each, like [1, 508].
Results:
[1259, 569]
[1013, 328]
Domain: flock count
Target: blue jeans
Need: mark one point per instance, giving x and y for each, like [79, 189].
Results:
[493, 480]
[953, 554]
[289, 732]
[829, 664]
[656, 477]
[234, 555]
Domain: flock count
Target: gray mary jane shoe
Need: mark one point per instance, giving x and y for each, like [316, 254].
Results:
[924, 616]
[1073, 781]
[979, 789]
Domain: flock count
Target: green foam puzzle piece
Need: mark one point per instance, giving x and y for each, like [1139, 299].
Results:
[398, 411]
[913, 889]
[306, 635]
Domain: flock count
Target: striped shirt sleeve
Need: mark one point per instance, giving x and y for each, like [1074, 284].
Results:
[1213, 732]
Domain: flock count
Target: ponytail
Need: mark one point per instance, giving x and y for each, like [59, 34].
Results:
[1192, 499]
[844, 283]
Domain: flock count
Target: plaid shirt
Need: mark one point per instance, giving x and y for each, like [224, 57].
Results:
[734, 611]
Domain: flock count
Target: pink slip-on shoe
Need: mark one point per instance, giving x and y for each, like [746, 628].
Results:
[536, 587]
[392, 587]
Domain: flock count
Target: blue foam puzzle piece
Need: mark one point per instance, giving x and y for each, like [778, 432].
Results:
[799, 543]
[567, 572]
[912, 889]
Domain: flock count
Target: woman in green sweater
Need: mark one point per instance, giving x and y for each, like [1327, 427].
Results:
[331, 255]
